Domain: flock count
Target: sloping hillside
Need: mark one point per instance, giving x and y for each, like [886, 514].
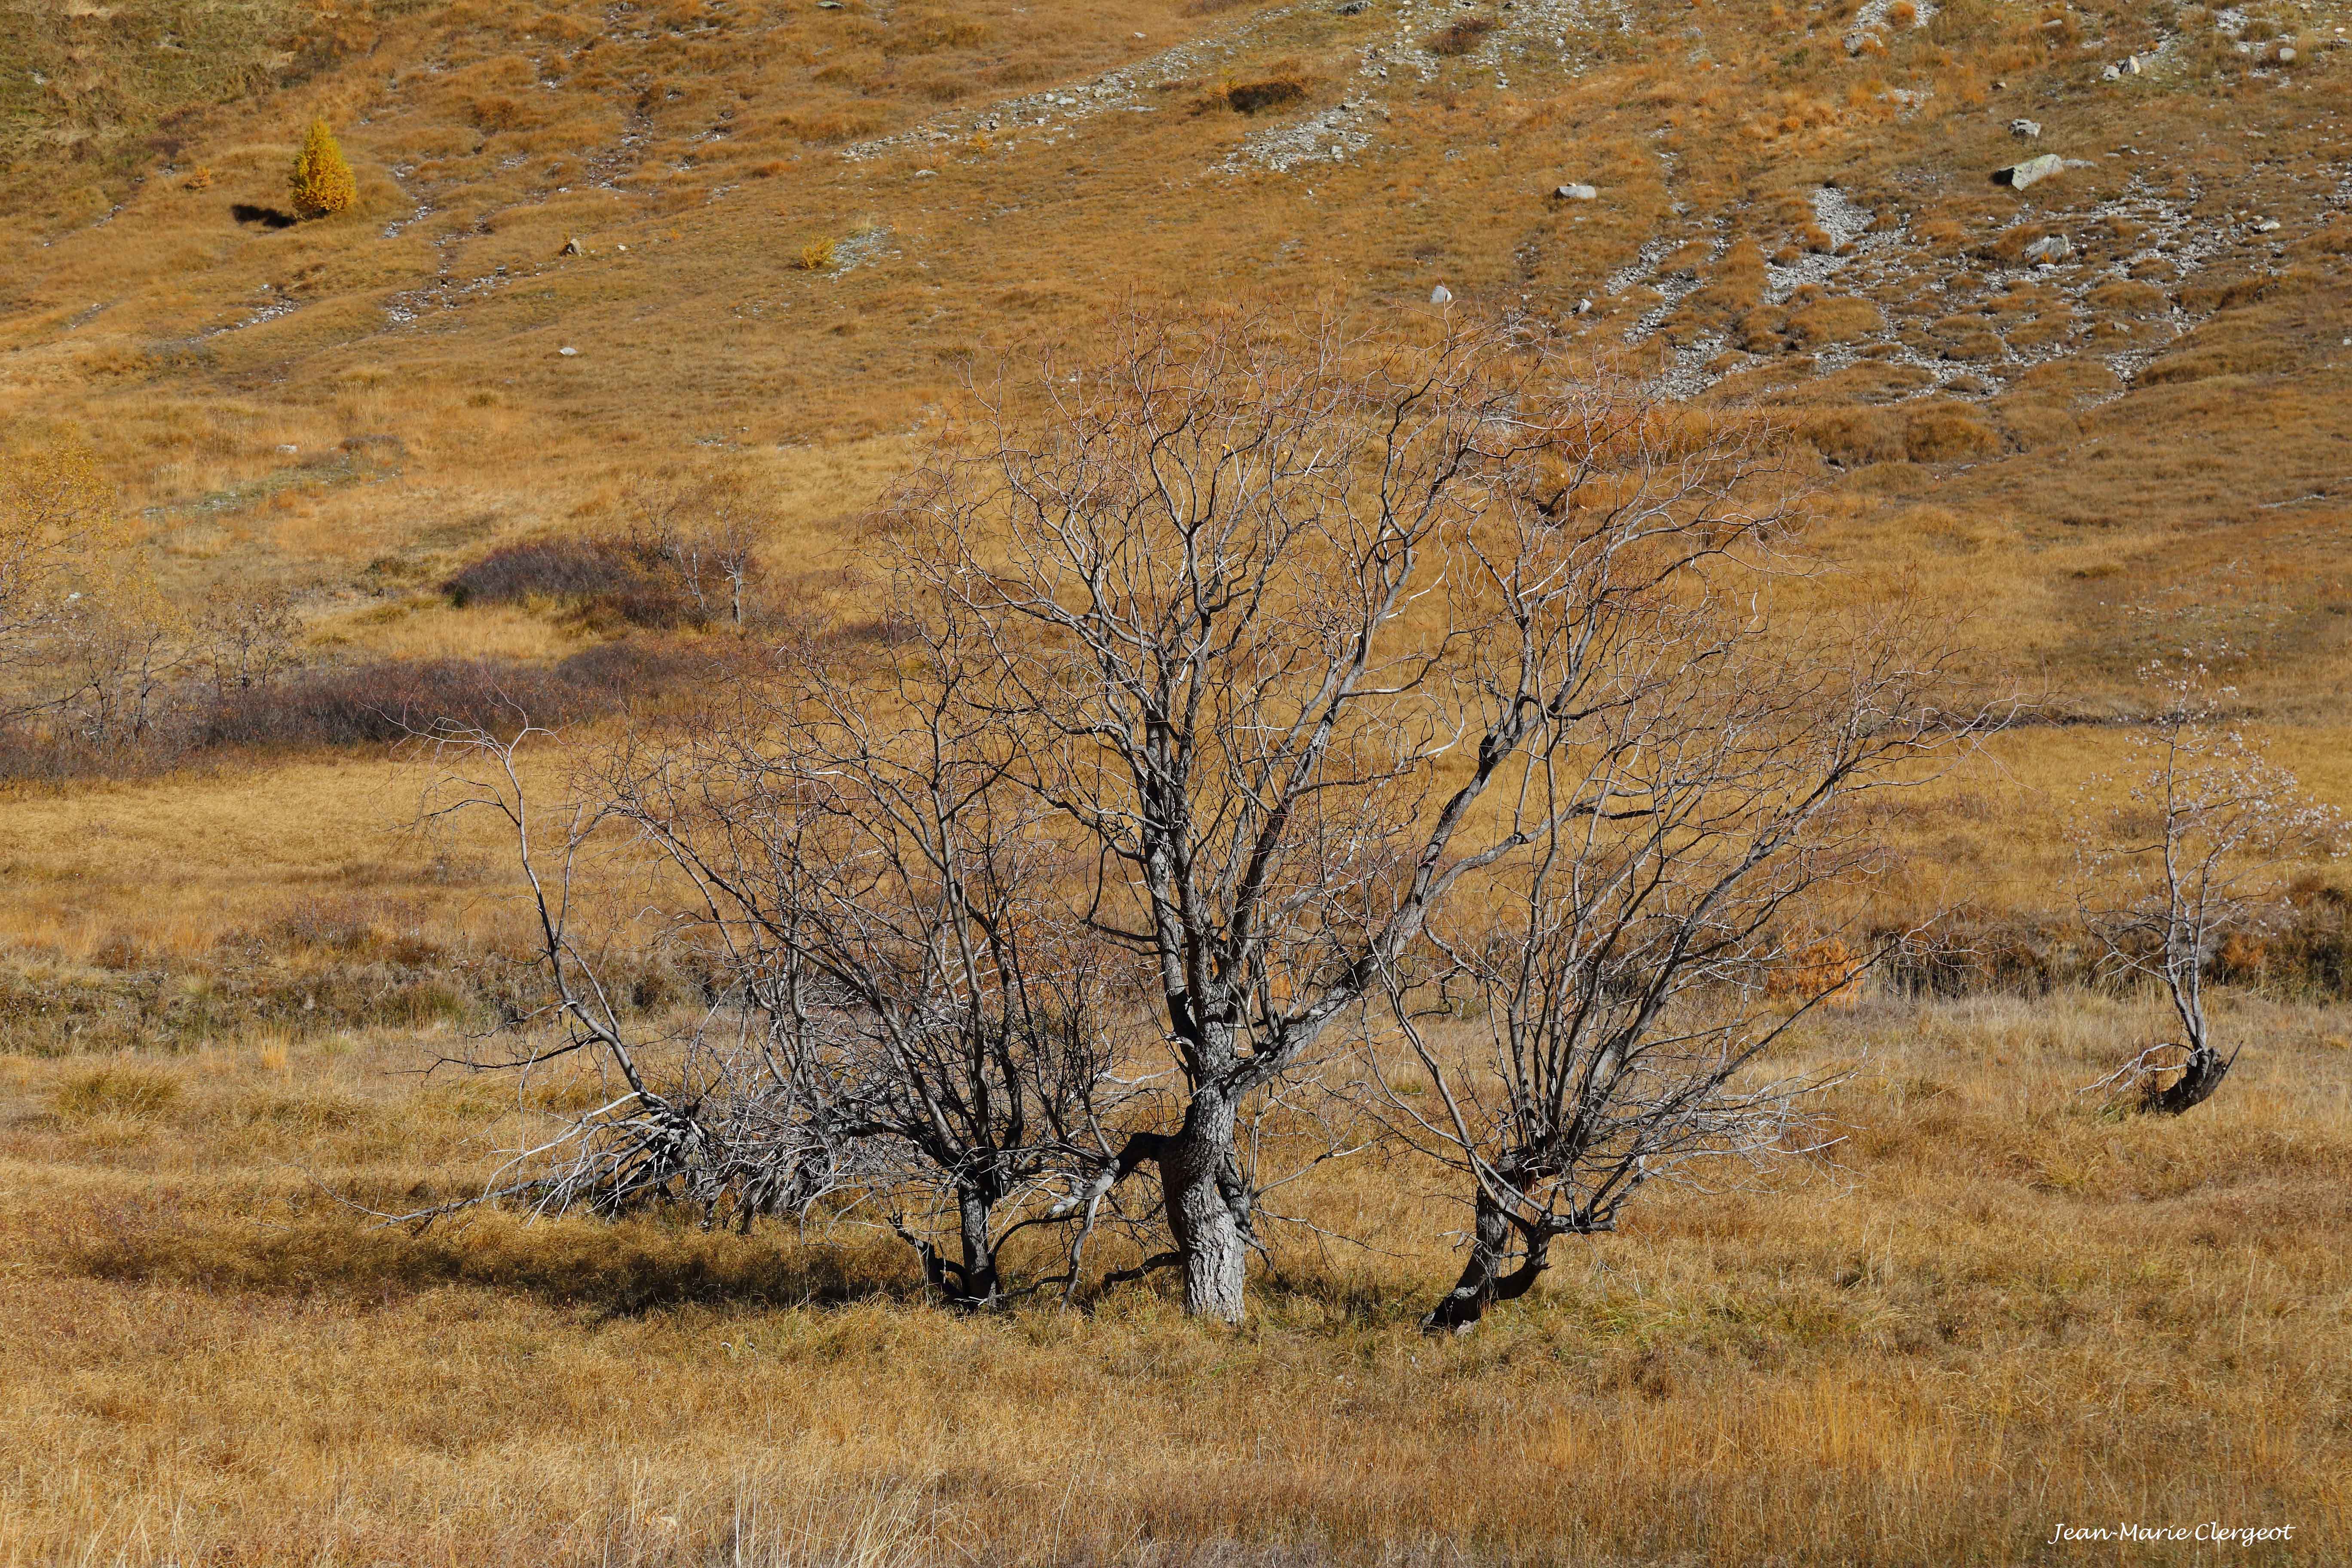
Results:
[2106, 413]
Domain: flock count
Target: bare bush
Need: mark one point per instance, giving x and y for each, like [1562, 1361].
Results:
[1629, 977]
[2192, 856]
[247, 639]
[908, 1023]
[390, 700]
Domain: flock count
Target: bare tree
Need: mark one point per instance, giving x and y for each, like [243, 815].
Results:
[248, 638]
[1629, 976]
[1274, 618]
[907, 1017]
[60, 565]
[702, 530]
[57, 526]
[894, 905]
[2188, 858]
[731, 541]
[696, 1115]
[118, 659]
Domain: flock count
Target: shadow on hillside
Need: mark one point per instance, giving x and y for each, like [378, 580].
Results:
[267, 217]
[609, 1270]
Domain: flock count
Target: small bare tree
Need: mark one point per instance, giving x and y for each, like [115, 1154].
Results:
[736, 519]
[1274, 619]
[58, 526]
[56, 512]
[117, 663]
[896, 909]
[2188, 858]
[699, 1115]
[908, 1016]
[246, 637]
[703, 530]
[1630, 974]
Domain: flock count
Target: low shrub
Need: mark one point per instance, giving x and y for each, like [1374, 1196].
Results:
[384, 701]
[1460, 38]
[397, 699]
[603, 580]
[1275, 92]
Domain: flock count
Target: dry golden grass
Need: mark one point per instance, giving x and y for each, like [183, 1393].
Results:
[2004, 1314]
[1997, 1313]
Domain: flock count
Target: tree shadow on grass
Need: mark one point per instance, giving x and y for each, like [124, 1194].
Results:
[611, 1271]
[1344, 1299]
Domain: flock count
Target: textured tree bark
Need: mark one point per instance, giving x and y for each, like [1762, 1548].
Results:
[2200, 1075]
[982, 1288]
[972, 1285]
[1484, 1281]
[1208, 1210]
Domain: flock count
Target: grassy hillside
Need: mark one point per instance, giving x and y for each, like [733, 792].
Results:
[2139, 448]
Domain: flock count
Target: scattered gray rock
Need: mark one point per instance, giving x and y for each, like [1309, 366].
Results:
[2027, 130]
[567, 351]
[572, 247]
[1440, 294]
[2286, 54]
[1575, 194]
[2268, 226]
[2050, 247]
[2017, 176]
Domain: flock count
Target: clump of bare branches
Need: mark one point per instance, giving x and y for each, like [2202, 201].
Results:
[694, 1114]
[2192, 856]
[1632, 971]
[905, 1024]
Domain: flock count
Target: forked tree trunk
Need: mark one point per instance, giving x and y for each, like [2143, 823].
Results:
[2200, 1075]
[1208, 1210]
[1485, 1279]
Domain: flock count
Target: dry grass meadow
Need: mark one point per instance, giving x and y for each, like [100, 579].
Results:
[1990, 1314]
[1992, 1311]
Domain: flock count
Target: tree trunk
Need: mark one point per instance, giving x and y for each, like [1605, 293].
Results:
[974, 1284]
[2200, 1075]
[982, 1288]
[1484, 1281]
[1208, 1210]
